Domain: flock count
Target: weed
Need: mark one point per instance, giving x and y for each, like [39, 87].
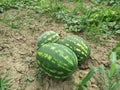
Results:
[83, 82]
[4, 81]
[117, 50]
[17, 4]
[108, 79]
[10, 20]
[31, 63]
[39, 75]
[14, 25]
[7, 4]
[29, 78]
[106, 2]
[93, 18]
[5, 17]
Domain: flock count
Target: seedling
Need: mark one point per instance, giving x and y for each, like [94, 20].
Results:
[107, 78]
[4, 81]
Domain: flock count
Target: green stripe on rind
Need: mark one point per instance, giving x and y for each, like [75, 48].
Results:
[53, 62]
[56, 76]
[78, 45]
[58, 66]
[84, 42]
[52, 69]
[46, 37]
[71, 57]
[60, 56]
[73, 46]
[49, 38]
[78, 50]
[69, 52]
[46, 34]
[52, 72]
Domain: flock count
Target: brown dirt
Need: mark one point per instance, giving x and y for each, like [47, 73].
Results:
[18, 53]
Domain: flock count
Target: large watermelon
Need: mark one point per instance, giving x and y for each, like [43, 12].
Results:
[57, 61]
[78, 45]
[47, 37]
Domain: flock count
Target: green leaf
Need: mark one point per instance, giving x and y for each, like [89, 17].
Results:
[4, 81]
[113, 66]
[112, 69]
[103, 73]
[115, 86]
[88, 76]
[111, 24]
[118, 31]
[1, 9]
[117, 73]
[30, 78]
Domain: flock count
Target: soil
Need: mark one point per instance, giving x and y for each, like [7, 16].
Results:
[18, 52]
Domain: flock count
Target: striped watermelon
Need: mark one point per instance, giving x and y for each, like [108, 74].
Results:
[47, 37]
[78, 45]
[57, 61]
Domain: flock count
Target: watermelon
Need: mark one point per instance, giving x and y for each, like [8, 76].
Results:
[78, 45]
[47, 37]
[56, 61]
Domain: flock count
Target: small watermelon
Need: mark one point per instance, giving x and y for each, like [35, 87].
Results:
[78, 45]
[57, 61]
[47, 37]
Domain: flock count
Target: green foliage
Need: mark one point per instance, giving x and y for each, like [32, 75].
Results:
[16, 4]
[108, 79]
[71, 19]
[39, 75]
[97, 19]
[4, 81]
[10, 20]
[7, 4]
[29, 78]
[106, 2]
[83, 82]
[71, 22]
[105, 20]
[117, 50]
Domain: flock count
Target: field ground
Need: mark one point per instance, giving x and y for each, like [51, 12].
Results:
[18, 36]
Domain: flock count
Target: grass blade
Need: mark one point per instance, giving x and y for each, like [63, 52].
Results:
[4, 81]
[84, 81]
[113, 64]
[88, 76]
[115, 86]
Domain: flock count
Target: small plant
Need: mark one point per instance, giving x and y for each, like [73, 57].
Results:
[106, 2]
[14, 25]
[4, 81]
[7, 4]
[117, 50]
[39, 75]
[83, 82]
[29, 78]
[108, 79]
